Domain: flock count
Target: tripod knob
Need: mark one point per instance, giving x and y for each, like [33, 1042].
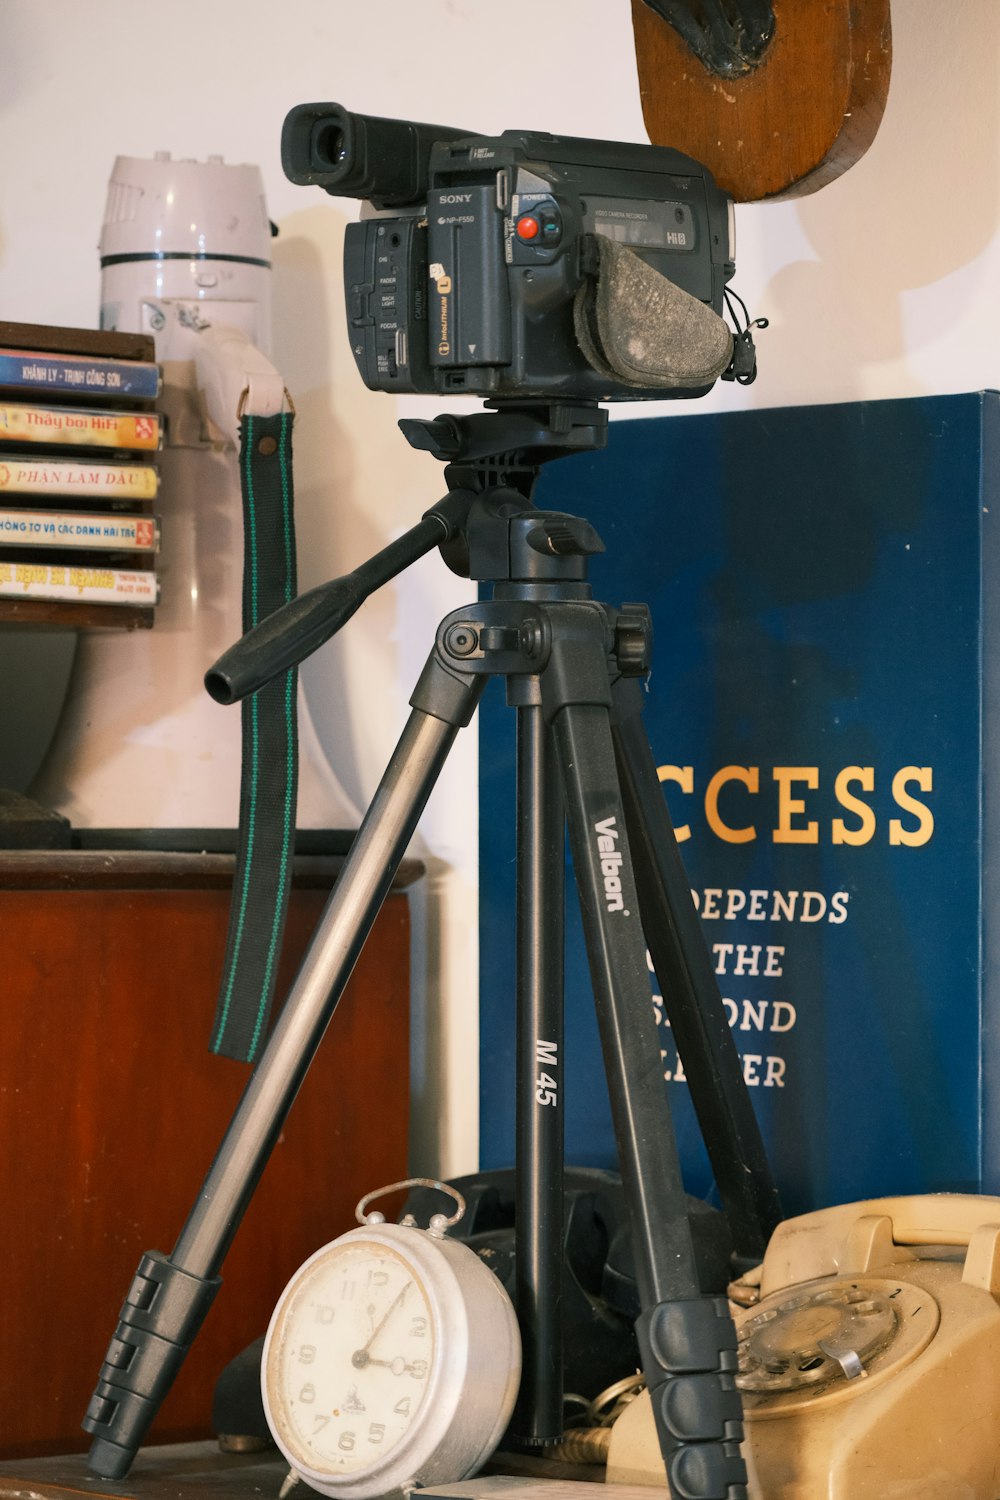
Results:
[556, 535]
[634, 640]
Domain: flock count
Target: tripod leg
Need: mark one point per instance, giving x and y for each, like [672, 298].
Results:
[355, 902]
[688, 1341]
[170, 1296]
[538, 1213]
[690, 992]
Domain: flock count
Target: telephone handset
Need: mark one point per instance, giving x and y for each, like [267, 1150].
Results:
[870, 1364]
[861, 1237]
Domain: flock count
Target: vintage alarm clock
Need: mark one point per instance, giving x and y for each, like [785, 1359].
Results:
[392, 1358]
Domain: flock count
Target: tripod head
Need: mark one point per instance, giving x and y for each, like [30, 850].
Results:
[485, 526]
[508, 443]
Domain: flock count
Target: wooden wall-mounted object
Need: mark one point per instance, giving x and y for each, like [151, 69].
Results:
[793, 121]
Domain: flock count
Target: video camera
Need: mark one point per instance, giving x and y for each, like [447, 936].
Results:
[525, 265]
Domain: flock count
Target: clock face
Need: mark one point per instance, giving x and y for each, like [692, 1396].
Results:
[350, 1358]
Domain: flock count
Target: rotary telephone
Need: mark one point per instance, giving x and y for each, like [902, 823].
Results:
[869, 1363]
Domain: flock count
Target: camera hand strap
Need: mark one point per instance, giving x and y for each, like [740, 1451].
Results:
[270, 750]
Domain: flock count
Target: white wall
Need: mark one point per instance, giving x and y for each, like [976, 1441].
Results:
[884, 284]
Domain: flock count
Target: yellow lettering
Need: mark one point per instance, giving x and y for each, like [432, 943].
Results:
[684, 777]
[790, 807]
[853, 787]
[749, 777]
[924, 778]
[865, 776]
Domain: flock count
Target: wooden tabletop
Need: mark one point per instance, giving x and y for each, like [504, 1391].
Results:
[163, 1473]
[201, 1471]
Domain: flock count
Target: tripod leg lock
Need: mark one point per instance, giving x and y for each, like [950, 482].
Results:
[163, 1311]
[688, 1352]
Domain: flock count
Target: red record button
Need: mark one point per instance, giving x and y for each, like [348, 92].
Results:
[528, 227]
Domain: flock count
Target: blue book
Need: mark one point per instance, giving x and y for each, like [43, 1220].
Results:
[824, 709]
[88, 376]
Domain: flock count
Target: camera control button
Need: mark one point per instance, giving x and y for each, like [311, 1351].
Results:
[528, 227]
[358, 304]
[550, 222]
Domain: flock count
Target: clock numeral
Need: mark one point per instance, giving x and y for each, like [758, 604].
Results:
[418, 1328]
[402, 1406]
[418, 1369]
[376, 1432]
[347, 1291]
[307, 1354]
[307, 1393]
[378, 1278]
[320, 1422]
[346, 1441]
[324, 1312]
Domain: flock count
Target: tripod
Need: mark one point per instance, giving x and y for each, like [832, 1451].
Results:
[574, 670]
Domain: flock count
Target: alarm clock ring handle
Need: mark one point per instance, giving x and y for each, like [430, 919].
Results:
[438, 1224]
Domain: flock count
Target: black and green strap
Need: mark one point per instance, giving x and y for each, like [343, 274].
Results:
[270, 751]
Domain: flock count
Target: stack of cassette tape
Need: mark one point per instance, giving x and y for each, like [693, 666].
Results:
[79, 434]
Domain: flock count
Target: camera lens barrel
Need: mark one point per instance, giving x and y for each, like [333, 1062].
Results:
[360, 156]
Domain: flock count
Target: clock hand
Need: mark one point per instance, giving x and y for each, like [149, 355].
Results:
[361, 1357]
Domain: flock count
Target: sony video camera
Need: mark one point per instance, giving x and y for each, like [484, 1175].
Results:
[524, 265]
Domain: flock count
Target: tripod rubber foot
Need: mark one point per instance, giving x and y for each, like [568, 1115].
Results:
[688, 1352]
[163, 1311]
[109, 1460]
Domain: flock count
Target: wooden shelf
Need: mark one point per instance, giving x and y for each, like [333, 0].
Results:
[103, 342]
[112, 1108]
[150, 870]
[64, 616]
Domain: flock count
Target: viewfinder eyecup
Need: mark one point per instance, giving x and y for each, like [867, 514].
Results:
[360, 156]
